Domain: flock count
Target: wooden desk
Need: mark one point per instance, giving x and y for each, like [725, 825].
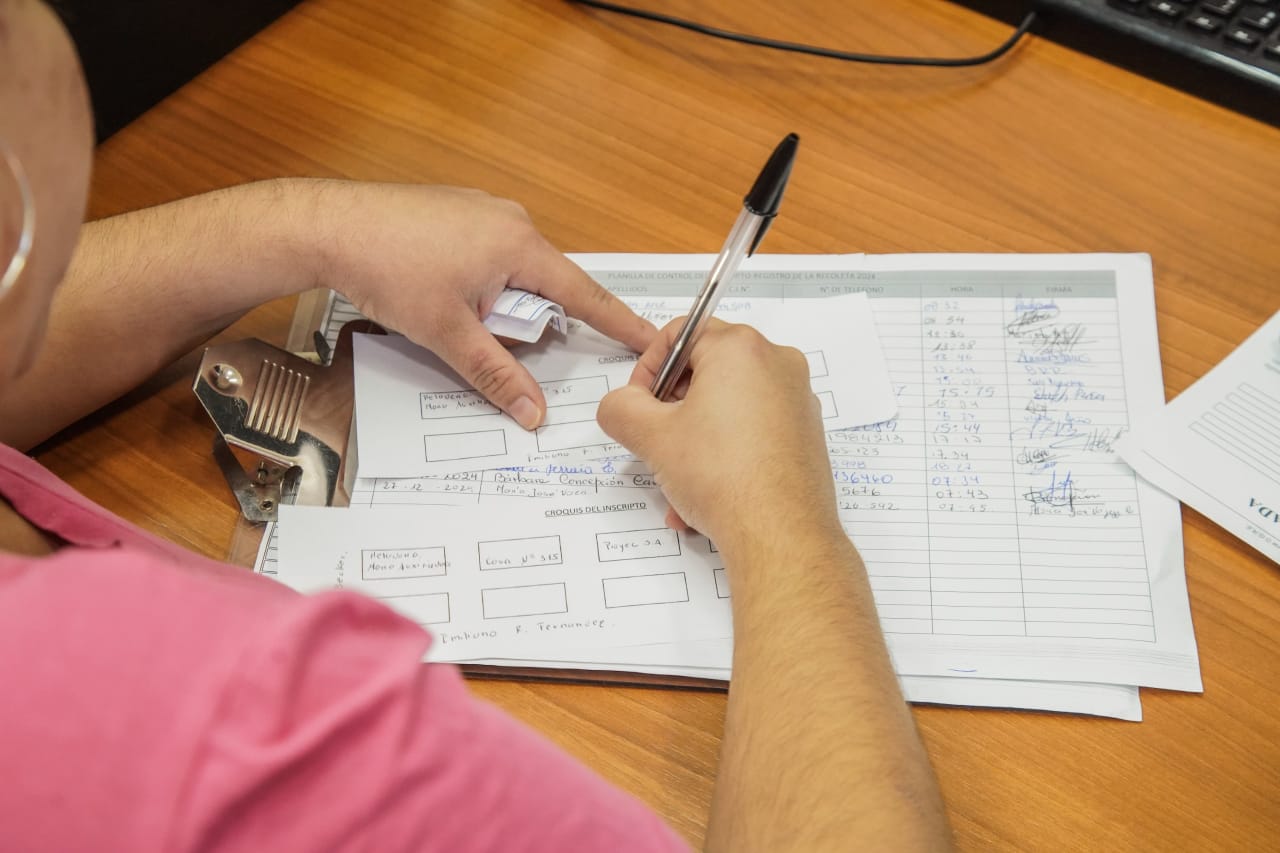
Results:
[623, 136]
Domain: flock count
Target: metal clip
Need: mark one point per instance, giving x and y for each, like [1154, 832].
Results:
[294, 416]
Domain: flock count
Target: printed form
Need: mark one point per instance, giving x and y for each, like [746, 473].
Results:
[1217, 446]
[991, 511]
[540, 579]
[504, 610]
[1106, 700]
[417, 417]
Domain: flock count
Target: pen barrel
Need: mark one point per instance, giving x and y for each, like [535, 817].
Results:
[736, 247]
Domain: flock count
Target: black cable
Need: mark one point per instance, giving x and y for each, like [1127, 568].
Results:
[793, 47]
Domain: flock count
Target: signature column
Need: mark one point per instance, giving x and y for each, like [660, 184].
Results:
[1083, 556]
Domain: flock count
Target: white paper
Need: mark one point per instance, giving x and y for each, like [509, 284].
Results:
[1217, 446]
[710, 659]
[417, 417]
[892, 518]
[1003, 537]
[533, 579]
[524, 316]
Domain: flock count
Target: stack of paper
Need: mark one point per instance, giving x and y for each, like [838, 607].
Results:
[972, 401]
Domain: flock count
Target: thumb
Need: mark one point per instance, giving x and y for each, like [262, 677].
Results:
[634, 418]
[479, 358]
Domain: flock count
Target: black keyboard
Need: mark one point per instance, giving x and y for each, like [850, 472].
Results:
[1227, 51]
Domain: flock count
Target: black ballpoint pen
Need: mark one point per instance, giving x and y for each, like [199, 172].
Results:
[759, 207]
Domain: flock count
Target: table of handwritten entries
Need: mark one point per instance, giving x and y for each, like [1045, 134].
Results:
[993, 504]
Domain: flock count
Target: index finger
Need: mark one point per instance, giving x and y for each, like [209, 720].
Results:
[650, 361]
[549, 273]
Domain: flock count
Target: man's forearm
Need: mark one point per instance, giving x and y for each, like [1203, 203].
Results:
[148, 286]
[820, 751]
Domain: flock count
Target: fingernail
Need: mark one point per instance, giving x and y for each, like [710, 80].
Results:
[526, 413]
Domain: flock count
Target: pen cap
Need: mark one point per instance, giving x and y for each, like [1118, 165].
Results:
[766, 193]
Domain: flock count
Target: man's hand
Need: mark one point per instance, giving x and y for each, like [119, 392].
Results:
[819, 751]
[429, 261]
[743, 450]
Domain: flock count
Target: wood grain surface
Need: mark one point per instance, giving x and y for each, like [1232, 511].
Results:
[623, 136]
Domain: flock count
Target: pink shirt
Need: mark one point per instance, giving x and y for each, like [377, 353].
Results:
[157, 700]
